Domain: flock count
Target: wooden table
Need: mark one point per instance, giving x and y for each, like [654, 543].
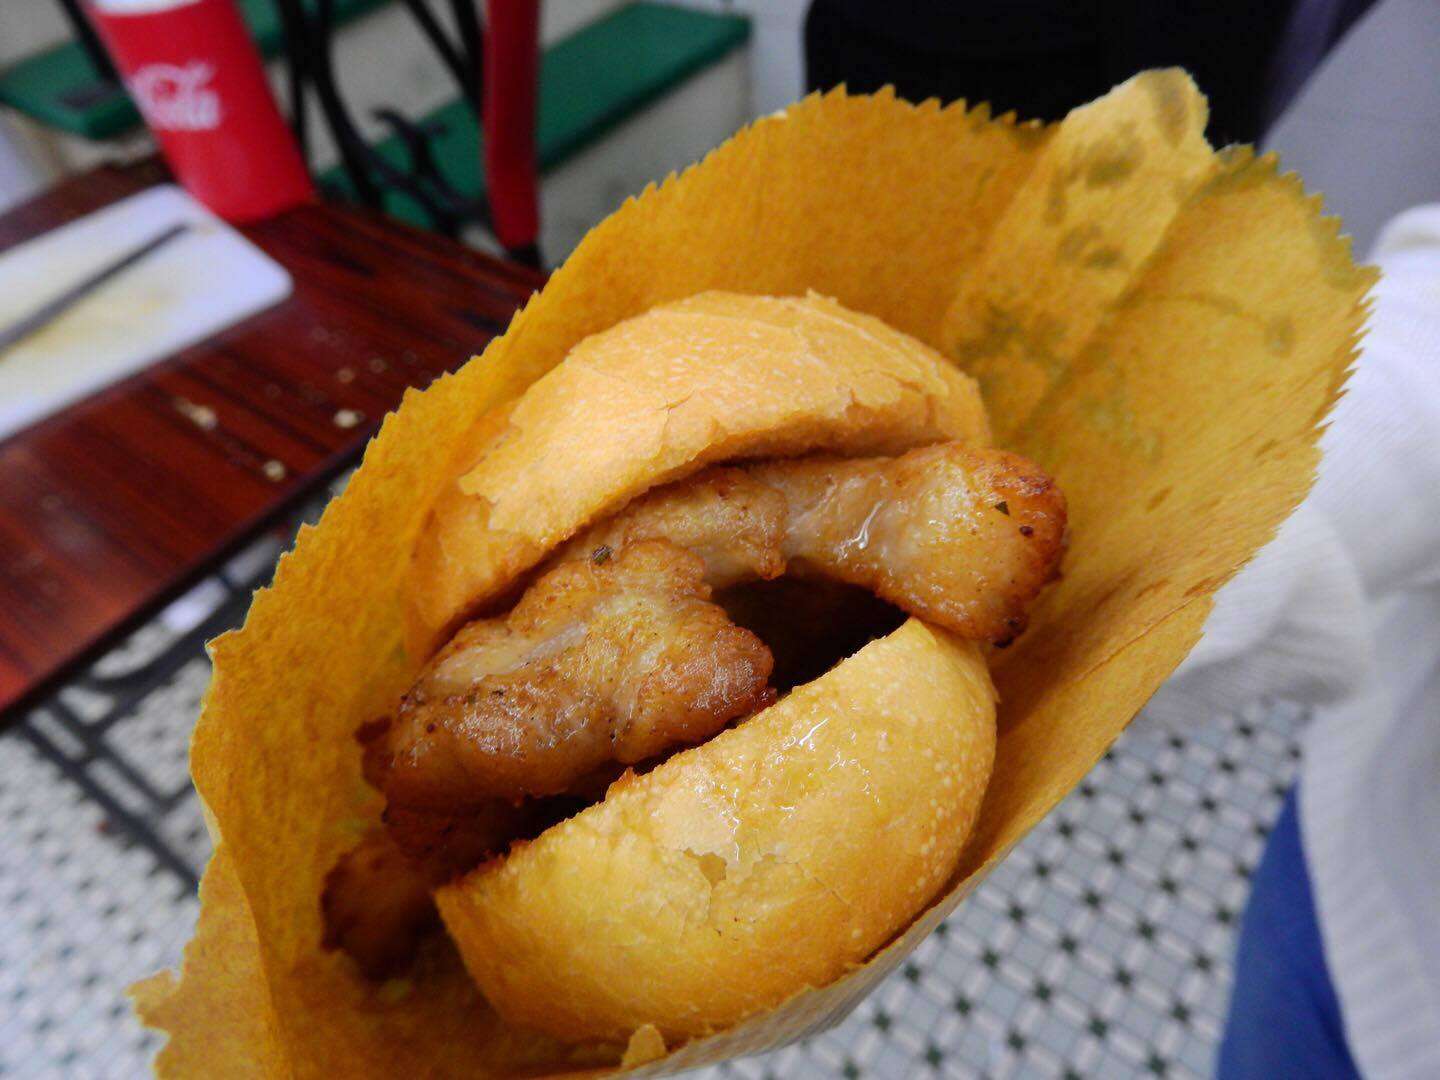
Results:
[115, 506]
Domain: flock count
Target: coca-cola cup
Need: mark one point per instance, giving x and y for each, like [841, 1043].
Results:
[197, 79]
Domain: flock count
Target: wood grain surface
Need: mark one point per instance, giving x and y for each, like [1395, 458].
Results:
[113, 507]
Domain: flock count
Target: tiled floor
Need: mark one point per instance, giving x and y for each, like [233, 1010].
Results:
[1101, 947]
[85, 915]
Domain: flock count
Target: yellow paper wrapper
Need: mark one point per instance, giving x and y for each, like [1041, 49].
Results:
[1162, 327]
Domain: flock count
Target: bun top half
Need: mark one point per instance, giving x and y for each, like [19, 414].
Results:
[716, 377]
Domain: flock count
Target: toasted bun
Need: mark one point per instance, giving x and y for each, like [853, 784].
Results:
[781, 852]
[717, 376]
[771, 858]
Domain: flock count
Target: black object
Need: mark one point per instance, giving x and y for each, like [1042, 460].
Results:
[82, 748]
[89, 41]
[1041, 58]
[309, 43]
[309, 28]
[83, 744]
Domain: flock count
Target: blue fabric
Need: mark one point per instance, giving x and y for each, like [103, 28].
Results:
[1284, 1016]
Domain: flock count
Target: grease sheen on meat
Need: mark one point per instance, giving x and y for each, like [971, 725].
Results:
[964, 537]
[614, 658]
[616, 653]
[735, 523]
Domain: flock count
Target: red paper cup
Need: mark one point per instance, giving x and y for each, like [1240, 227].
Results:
[197, 79]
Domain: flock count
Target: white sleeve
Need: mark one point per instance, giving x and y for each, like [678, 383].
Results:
[1369, 796]
[1342, 611]
[1290, 625]
[1379, 484]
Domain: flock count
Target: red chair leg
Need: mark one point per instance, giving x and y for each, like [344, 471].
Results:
[512, 49]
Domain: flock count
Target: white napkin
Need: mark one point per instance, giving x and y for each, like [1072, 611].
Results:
[1342, 611]
[196, 286]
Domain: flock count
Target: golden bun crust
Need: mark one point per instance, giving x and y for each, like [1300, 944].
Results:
[773, 857]
[713, 377]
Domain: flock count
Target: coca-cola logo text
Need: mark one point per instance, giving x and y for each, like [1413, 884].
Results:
[175, 98]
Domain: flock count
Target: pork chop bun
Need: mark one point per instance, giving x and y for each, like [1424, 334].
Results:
[704, 717]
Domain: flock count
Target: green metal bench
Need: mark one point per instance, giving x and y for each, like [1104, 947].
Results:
[590, 81]
[59, 87]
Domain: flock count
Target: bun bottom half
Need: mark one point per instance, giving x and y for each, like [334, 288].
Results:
[774, 857]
